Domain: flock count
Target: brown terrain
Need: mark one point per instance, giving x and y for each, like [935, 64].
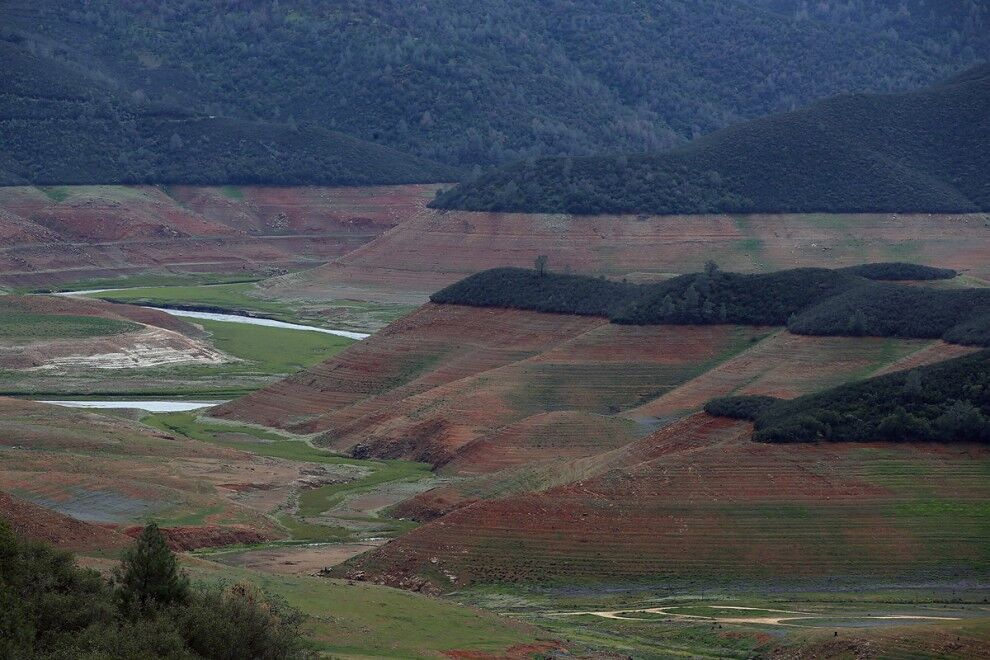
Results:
[575, 454]
[54, 235]
[698, 501]
[157, 338]
[436, 248]
[97, 470]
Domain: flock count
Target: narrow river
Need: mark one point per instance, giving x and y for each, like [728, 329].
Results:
[184, 406]
[150, 406]
[233, 318]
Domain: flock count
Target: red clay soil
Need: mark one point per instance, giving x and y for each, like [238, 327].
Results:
[437, 248]
[543, 437]
[787, 365]
[40, 524]
[447, 376]
[602, 371]
[432, 346]
[205, 536]
[99, 231]
[699, 501]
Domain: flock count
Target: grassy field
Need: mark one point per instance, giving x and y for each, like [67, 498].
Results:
[709, 624]
[263, 354]
[274, 350]
[17, 325]
[230, 297]
[150, 280]
[358, 620]
[313, 519]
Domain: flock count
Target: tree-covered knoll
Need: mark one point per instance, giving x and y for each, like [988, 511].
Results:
[714, 296]
[898, 271]
[521, 288]
[463, 83]
[926, 150]
[810, 301]
[892, 310]
[944, 402]
[51, 608]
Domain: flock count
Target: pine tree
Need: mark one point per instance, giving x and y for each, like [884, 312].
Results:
[149, 572]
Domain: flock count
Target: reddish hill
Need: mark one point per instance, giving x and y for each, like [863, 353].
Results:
[60, 234]
[40, 524]
[433, 346]
[698, 502]
[436, 248]
[787, 365]
[446, 376]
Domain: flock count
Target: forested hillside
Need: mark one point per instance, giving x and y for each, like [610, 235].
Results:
[809, 301]
[944, 402]
[927, 150]
[65, 125]
[456, 82]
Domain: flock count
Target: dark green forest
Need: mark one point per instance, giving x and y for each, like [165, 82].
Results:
[463, 83]
[809, 301]
[945, 402]
[927, 150]
[52, 608]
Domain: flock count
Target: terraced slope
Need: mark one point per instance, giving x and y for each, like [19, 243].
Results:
[787, 365]
[57, 234]
[110, 471]
[437, 248]
[431, 347]
[601, 371]
[698, 503]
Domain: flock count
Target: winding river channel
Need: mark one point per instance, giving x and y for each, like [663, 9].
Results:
[233, 318]
[184, 406]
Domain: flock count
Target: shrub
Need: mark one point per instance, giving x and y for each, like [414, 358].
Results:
[739, 407]
[50, 608]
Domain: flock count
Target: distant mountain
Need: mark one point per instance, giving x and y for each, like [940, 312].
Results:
[62, 123]
[927, 150]
[462, 82]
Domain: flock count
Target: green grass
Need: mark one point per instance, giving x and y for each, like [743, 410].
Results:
[57, 194]
[233, 192]
[274, 350]
[315, 501]
[19, 325]
[365, 620]
[228, 297]
[269, 444]
[152, 280]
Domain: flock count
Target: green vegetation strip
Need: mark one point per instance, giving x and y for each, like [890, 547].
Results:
[234, 297]
[151, 280]
[19, 325]
[274, 350]
[314, 501]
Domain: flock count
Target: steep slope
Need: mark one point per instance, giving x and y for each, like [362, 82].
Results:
[919, 151]
[57, 234]
[66, 121]
[518, 79]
